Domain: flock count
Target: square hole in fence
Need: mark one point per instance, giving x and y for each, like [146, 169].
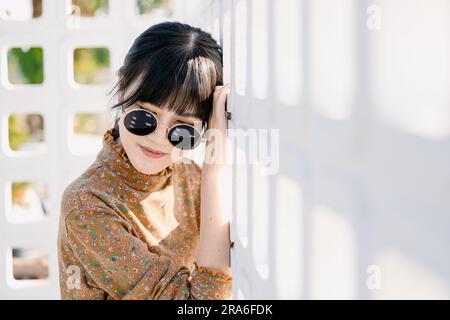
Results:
[88, 131]
[30, 264]
[29, 202]
[25, 65]
[160, 8]
[20, 10]
[89, 8]
[26, 133]
[91, 65]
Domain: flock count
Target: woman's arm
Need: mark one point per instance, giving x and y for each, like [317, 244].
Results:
[214, 243]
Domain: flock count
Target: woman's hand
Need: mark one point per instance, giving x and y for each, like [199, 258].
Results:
[217, 144]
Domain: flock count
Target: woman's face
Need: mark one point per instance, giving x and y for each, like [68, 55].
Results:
[135, 145]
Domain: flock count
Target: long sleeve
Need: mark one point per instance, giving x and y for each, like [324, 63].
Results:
[119, 265]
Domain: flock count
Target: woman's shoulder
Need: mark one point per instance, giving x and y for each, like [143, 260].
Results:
[82, 193]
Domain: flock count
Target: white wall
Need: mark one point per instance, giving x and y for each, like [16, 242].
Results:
[360, 206]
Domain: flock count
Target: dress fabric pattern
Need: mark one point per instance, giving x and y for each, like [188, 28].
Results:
[127, 235]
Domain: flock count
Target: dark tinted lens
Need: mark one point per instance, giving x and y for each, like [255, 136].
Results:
[140, 122]
[184, 136]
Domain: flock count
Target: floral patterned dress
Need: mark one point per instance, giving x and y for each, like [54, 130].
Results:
[127, 235]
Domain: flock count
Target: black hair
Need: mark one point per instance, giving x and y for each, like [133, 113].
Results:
[172, 65]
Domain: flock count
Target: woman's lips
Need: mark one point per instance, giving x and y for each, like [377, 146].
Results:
[150, 153]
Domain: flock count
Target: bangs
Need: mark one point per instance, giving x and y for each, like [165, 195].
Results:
[184, 87]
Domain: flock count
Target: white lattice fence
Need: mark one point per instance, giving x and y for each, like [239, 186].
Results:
[57, 99]
[359, 90]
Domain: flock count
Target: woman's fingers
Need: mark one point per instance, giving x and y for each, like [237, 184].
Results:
[218, 118]
[217, 149]
[220, 96]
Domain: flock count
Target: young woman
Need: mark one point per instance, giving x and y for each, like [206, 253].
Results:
[144, 221]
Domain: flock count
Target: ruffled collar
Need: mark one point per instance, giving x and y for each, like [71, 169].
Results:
[114, 155]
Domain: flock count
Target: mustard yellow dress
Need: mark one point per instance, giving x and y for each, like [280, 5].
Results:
[127, 235]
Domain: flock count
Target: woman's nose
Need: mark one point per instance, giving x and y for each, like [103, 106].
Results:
[160, 134]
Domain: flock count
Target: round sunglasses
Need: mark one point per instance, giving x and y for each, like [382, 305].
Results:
[143, 122]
